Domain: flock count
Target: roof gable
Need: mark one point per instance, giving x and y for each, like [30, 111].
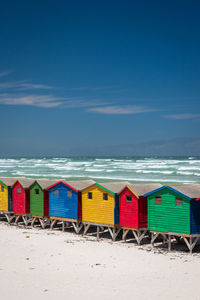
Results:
[169, 188]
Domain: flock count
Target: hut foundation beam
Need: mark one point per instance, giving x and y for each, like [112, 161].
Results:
[25, 220]
[42, 223]
[86, 228]
[154, 237]
[33, 222]
[191, 244]
[79, 227]
[113, 232]
[98, 227]
[139, 235]
[169, 242]
[75, 227]
[125, 232]
[52, 224]
[9, 217]
[17, 219]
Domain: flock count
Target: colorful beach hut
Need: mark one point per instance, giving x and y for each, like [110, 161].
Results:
[175, 210]
[6, 203]
[133, 209]
[100, 206]
[65, 202]
[39, 201]
[21, 198]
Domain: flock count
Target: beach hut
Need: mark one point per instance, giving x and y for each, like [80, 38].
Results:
[100, 206]
[6, 193]
[21, 199]
[133, 209]
[39, 201]
[65, 202]
[175, 211]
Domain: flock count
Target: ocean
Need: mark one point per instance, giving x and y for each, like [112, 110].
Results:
[137, 170]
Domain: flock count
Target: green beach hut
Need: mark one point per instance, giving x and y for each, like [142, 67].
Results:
[39, 197]
[175, 209]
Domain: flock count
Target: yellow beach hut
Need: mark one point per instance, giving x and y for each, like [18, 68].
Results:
[6, 193]
[100, 206]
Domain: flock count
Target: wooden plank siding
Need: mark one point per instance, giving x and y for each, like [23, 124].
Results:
[167, 217]
[60, 204]
[129, 211]
[97, 210]
[38, 202]
[3, 197]
[21, 201]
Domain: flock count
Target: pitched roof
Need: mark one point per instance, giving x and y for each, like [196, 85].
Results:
[141, 189]
[114, 187]
[80, 185]
[190, 190]
[9, 181]
[44, 183]
[25, 182]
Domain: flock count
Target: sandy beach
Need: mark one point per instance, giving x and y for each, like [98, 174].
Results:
[46, 264]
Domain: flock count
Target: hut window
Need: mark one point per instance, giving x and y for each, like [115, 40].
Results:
[69, 194]
[2, 188]
[18, 190]
[158, 200]
[90, 195]
[105, 196]
[36, 191]
[128, 198]
[56, 193]
[178, 202]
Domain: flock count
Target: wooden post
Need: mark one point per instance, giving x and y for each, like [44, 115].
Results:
[63, 226]
[125, 232]
[52, 224]
[97, 233]
[169, 242]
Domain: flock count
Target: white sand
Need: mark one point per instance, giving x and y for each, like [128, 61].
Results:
[44, 264]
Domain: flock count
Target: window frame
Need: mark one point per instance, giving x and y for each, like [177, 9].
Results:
[37, 191]
[89, 194]
[69, 194]
[19, 190]
[130, 200]
[158, 200]
[105, 194]
[2, 189]
[56, 193]
[179, 202]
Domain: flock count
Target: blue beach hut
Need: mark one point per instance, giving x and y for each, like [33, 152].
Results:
[65, 198]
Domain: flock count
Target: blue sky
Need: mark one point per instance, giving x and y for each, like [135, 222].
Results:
[77, 76]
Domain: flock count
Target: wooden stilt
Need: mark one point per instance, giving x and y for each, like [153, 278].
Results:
[169, 242]
[154, 237]
[125, 232]
[86, 227]
[52, 224]
[97, 233]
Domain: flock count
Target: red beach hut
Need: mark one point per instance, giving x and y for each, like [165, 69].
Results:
[133, 209]
[21, 196]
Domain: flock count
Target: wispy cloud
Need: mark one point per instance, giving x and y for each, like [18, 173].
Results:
[46, 101]
[121, 110]
[23, 85]
[5, 73]
[182, 116]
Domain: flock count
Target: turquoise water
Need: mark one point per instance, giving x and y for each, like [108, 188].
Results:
[141, 170]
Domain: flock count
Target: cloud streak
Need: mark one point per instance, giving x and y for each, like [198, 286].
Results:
[121, 110]
[182, 116]
[2, 74]
[23, 85]
[47, 101]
